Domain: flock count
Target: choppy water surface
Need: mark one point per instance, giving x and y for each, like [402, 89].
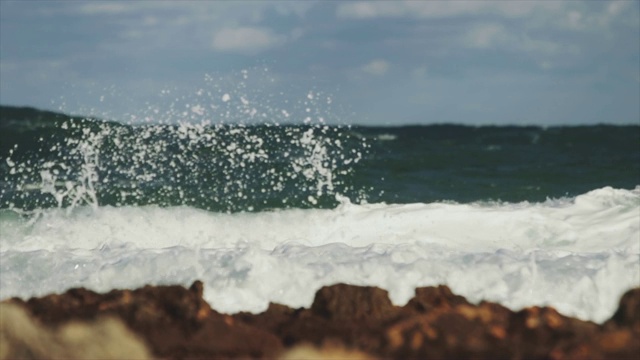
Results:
[273, 208]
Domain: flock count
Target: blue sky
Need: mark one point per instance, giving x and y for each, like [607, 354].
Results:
[378, 63]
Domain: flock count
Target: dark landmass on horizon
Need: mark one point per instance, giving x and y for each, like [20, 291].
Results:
[27, 117]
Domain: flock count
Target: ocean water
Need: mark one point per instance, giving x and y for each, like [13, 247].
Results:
[268, 211]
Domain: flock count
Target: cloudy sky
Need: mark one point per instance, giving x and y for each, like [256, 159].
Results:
[380, 63]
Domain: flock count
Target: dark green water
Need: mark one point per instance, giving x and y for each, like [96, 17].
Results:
[50, 159]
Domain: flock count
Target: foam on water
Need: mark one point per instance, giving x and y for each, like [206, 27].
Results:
[106, 205]
[577, 254]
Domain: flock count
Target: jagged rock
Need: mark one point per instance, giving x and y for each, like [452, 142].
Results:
[428, 298]
[344, 320]
[176, 322]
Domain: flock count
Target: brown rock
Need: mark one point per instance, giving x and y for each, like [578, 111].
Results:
[344, 301]
[628, 313]
[428, 298]
[463, 332]
[175, 322]
[537, 332]
[344, 321]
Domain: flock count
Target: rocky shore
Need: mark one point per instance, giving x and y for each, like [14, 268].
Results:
[172, 322]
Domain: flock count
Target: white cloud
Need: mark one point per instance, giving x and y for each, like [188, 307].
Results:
[612, 12]
[493, 35]
[247, 40]
[486, 36]
[299, 8]
[440, 9]
[141, 8]
[545, 47]
[596, 18]
[377, 67]
[362, 10]
[108, 8]
[575, 19]
[616, 7]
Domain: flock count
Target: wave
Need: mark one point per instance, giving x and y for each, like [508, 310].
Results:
[577, 254]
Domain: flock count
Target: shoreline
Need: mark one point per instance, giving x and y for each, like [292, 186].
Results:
[344, 321]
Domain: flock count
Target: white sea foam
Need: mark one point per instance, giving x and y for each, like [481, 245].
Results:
[577, 254]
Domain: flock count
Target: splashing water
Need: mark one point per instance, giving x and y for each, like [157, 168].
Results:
[125, 204]
[224, 154]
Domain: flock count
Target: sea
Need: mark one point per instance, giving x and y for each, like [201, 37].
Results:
[271, 210]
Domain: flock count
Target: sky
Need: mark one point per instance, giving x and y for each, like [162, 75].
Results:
[358, 62]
